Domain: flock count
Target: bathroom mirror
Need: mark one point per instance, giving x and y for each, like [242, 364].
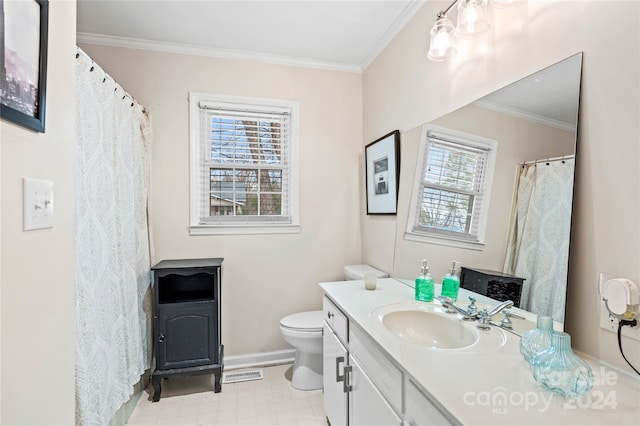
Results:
[534, 122]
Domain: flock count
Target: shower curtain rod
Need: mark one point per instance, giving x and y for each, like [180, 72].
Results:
[94, 65]
[548, 160]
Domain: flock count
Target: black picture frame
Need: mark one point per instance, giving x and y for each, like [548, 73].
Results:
[382, 174]
[23, 101]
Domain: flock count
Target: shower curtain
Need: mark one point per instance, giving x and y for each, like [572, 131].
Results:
[112, 244]
[538, 245]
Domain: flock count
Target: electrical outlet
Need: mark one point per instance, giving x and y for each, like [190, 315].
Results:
[610, 323]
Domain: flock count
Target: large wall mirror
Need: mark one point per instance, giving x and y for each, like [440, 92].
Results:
[534, 122]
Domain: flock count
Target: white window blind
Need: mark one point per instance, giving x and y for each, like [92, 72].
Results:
[244, 164]
[453, 187]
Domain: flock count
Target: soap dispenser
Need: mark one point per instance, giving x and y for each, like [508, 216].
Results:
[451, 283]
[424, 284]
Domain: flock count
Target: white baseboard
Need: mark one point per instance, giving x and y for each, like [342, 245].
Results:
[263, 359]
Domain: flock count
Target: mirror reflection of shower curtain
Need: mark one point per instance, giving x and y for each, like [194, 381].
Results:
[538, 245]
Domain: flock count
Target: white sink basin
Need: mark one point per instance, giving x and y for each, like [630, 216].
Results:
[428, 326]
[429, 329]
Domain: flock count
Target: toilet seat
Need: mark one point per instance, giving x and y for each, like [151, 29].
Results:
[310, 321]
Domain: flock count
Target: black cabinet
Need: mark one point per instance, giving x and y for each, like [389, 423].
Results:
[187, 320]
[493, 284]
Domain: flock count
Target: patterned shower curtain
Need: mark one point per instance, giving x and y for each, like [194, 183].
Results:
[112, 244]
[538, 245]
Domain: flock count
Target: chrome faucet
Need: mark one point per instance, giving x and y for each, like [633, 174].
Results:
[471, 313]
[447, 303]
[506, 321]
[484, 316]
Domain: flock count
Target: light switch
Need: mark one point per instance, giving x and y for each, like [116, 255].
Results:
[38, 204]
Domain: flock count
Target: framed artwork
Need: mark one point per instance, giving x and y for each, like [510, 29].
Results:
[382, 163]
[23, 62]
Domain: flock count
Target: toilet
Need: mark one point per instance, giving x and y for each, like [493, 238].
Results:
[303, 331]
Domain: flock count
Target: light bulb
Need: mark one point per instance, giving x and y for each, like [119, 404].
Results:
[471, 20]
[443, 41]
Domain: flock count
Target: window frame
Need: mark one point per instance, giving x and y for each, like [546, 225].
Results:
[253, 225]
[439, 238]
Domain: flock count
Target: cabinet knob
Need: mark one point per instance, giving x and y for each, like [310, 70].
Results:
[329, 314]
[161, 338]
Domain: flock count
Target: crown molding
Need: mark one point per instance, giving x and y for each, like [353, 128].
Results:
[184, 49]
[398, 24]
[515, 112]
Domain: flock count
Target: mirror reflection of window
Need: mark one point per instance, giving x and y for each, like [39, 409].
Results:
[451, 195]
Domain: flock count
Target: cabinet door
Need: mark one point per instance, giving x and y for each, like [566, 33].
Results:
[367, 406]
[419, 410]
[334, 359]
[185, 335]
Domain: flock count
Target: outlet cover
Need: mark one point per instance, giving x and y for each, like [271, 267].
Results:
[610, 323]
[38, 204]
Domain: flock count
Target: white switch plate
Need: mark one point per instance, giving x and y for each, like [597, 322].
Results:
[38, 204]
[609, 322]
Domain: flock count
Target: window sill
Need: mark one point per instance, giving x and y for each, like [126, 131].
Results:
[443, 241]
[243, 229]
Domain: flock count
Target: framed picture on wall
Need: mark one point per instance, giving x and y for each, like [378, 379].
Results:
[23, 62]
[382, 175]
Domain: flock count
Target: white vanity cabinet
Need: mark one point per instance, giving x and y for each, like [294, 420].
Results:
[367, 406]
[419, 410]
[362, 386]
[334, 360]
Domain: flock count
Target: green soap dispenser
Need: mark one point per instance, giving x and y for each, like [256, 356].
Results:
[451, 283]
[424, 284]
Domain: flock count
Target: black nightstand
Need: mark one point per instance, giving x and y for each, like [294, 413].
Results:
[186, 320]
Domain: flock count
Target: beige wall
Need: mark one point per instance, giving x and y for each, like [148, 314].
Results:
[265, 277]
[37, 300]
[402, 89]
[518, 140]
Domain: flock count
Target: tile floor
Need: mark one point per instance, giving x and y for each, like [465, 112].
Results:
[270, 401]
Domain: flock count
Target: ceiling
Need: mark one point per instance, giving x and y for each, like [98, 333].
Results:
[342, 35]
[328, 34]
[550, 96]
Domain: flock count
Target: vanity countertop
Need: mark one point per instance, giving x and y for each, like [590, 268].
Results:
[486, 387]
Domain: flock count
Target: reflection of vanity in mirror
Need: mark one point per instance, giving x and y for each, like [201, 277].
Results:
[527, 233]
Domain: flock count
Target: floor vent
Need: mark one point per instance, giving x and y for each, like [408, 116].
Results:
[242, 376]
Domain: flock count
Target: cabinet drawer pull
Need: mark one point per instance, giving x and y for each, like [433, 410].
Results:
[161, 338]
[339, 378]
[346, 387]
[329, 314]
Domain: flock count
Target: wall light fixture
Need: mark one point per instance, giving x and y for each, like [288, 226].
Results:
[471, 23]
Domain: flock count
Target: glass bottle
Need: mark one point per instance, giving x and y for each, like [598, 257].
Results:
[451, 283]
[537, 339]
[424, 284]
[559, 370]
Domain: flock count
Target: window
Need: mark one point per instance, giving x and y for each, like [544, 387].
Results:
[243, 165]
[452, 188]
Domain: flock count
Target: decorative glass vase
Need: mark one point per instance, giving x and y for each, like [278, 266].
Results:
[559, 370]
[537, 339]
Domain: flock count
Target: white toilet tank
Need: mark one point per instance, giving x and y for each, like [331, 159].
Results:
[356, 272]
